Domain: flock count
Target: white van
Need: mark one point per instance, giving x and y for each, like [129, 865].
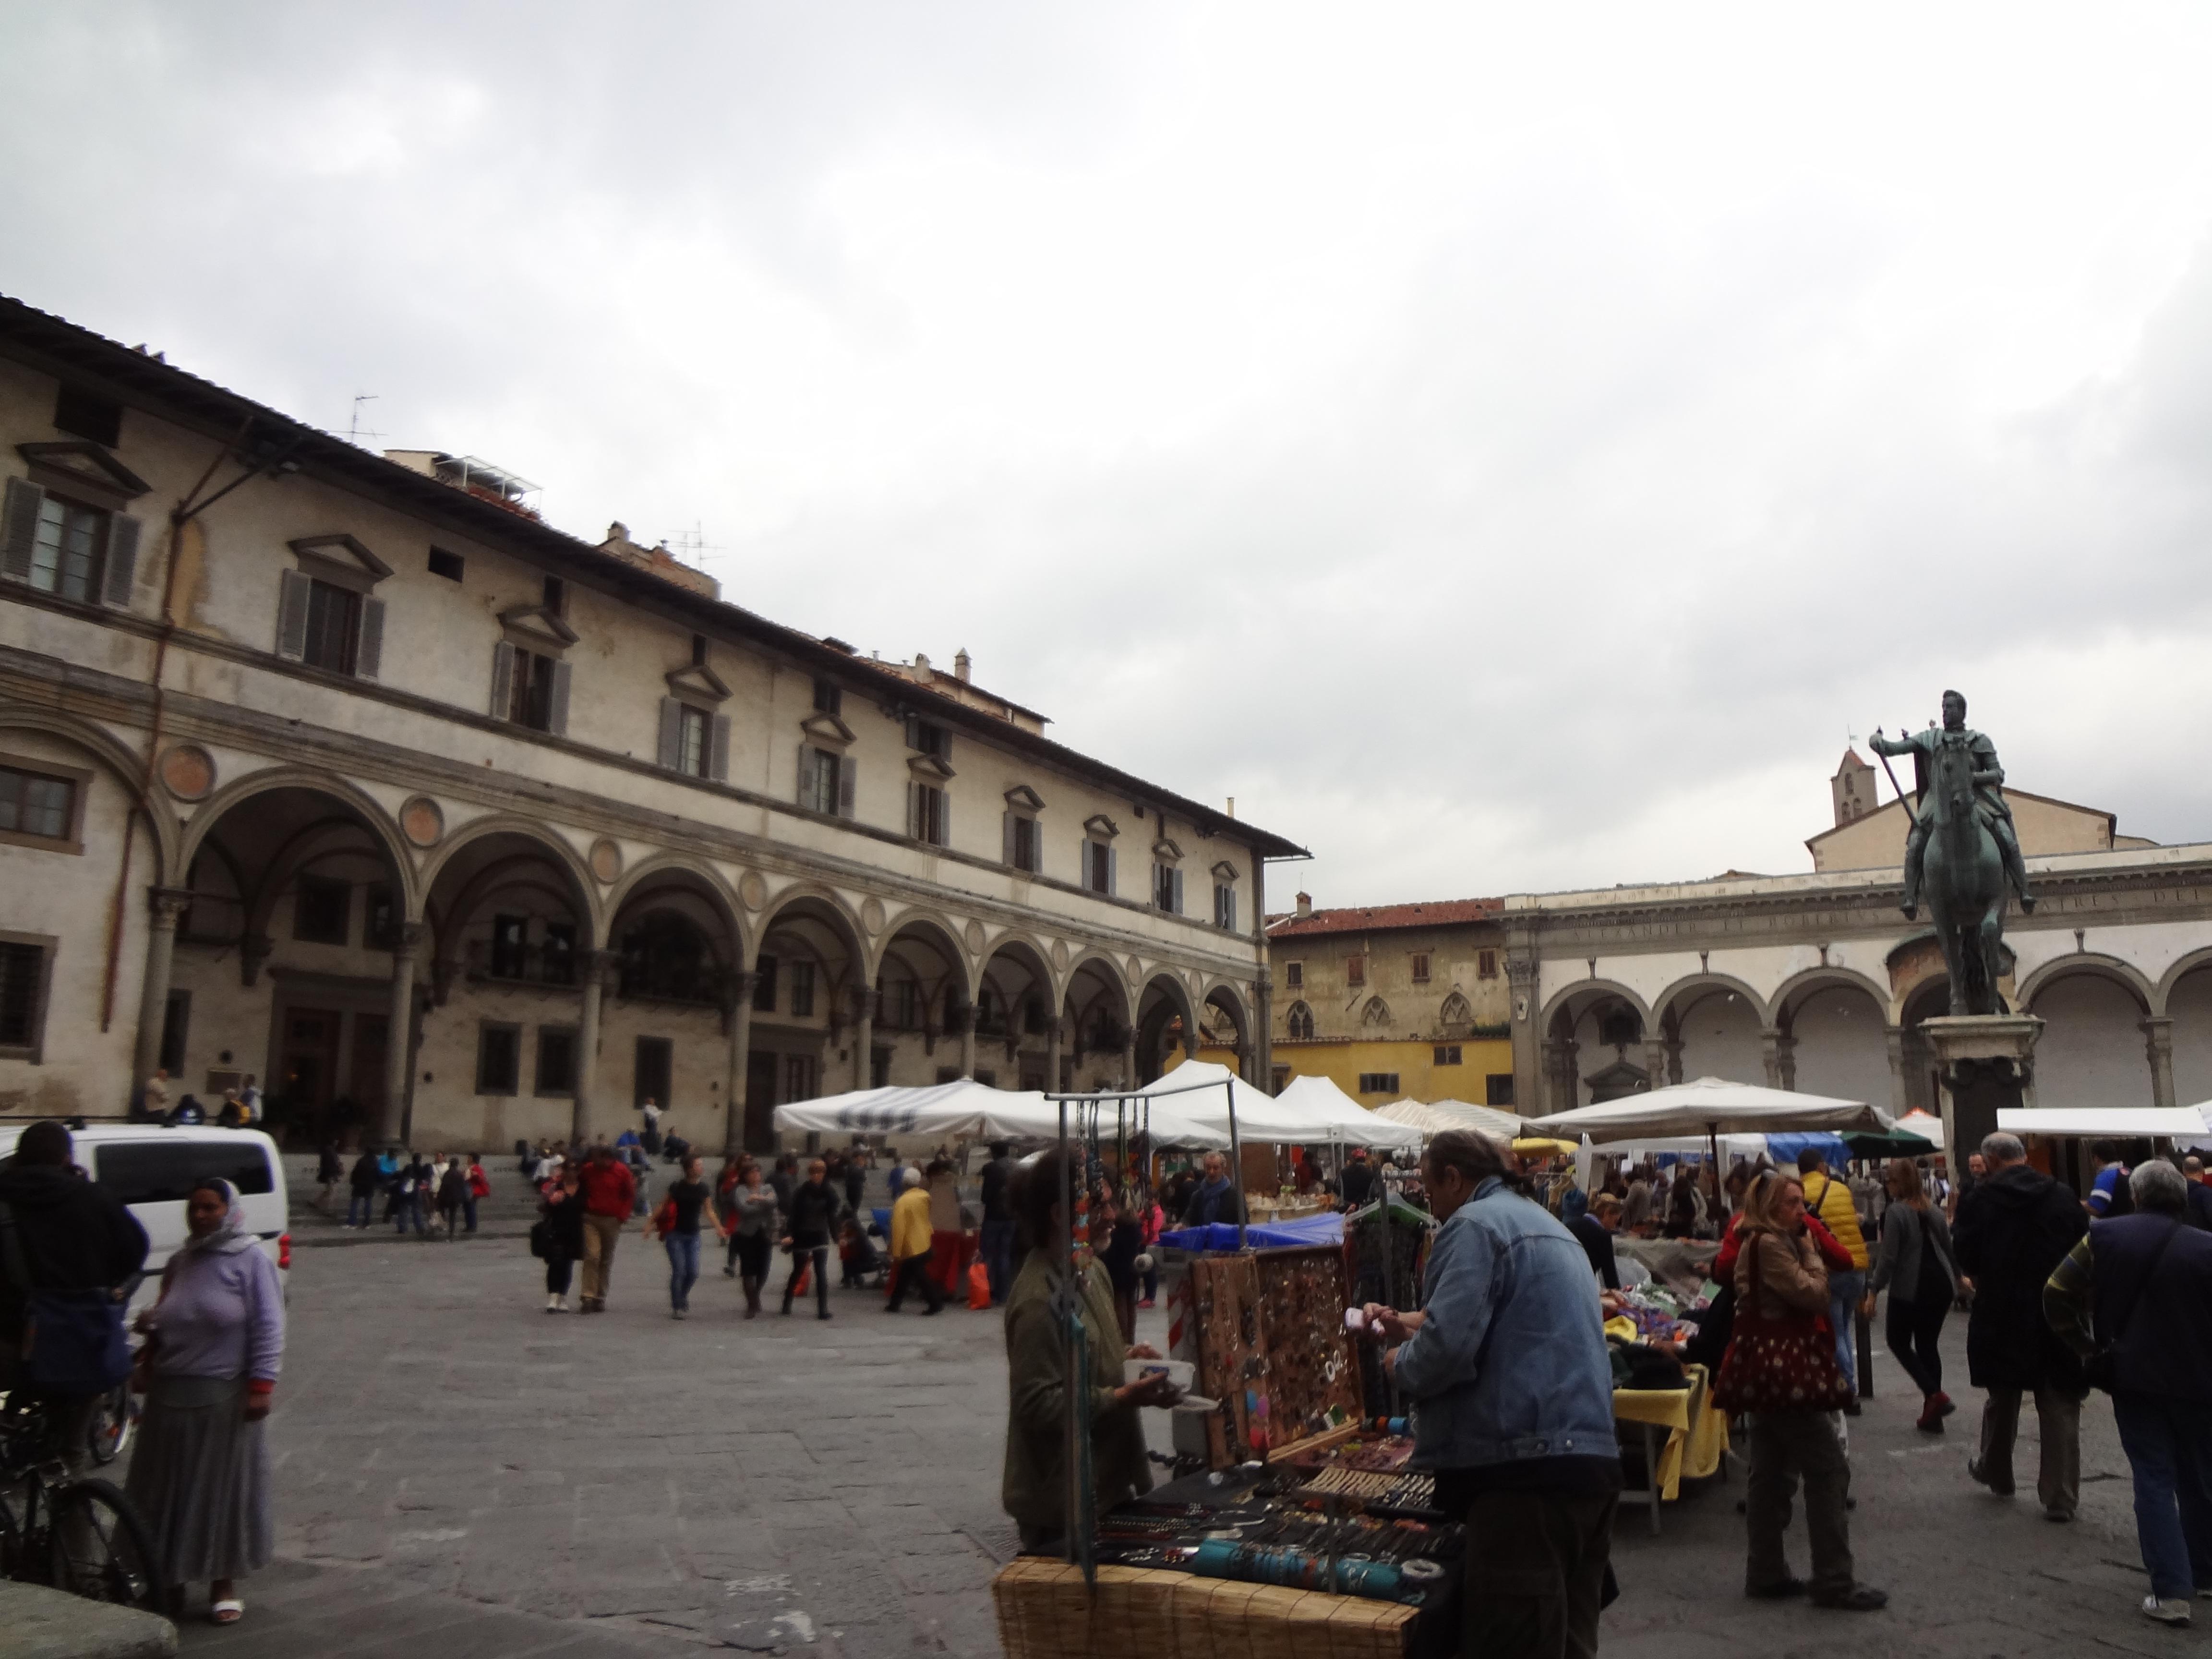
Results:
[153, 1169]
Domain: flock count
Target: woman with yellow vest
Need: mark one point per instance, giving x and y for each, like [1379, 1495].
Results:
[1830, 1200]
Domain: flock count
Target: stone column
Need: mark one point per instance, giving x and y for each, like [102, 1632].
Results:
[1261, 1039]
[1524, 1012]
[1654, 1062]
[967, 1041]
[1052, 1057]
[1781, 1057]
[399, 1035]
[2157, 1048]
[164, 905]
[1565, 1085]
[1900, 1102]
[736, 1084]
[1129, 1058]
[864, 1038]
[596, 965]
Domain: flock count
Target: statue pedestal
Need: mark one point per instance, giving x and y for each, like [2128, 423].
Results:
[1986, 1062]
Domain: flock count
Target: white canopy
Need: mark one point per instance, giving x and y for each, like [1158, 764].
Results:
[1351, 1123]
[1483, 1119]
[962, 1107]
[1197, 1091]
[2184, 1123]
[1417, 1114]
[1709, 1105]
[1926, 1125]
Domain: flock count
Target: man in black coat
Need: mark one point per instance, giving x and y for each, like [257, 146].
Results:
[2014, 1230]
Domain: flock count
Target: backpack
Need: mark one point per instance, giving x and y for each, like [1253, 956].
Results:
[73, 1340]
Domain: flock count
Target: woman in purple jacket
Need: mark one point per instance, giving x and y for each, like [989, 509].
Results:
[199, 1478]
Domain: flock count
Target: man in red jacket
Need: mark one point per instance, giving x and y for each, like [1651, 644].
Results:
[609, 1191]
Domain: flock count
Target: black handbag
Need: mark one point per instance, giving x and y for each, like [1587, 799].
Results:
[74, 1342]
[2100, 1367]
[541, 1238]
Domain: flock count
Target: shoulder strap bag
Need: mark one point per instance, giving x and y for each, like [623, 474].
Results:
[2101, 1368]
[1784, 1364]
[74, 1343]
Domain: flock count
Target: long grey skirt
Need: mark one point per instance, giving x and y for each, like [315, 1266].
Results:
[200, 1480]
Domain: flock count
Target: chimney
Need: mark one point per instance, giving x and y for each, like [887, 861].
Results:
[1305, 905]
[1232, 806]
[962, 664]
[921, 666]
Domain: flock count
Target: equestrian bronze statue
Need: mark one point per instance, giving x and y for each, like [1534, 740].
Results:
[1961, 851]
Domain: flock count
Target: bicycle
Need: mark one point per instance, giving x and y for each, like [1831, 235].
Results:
[114, 1415]
[77, 1535]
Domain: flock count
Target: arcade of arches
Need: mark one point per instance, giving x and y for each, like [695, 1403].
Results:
[523, 994]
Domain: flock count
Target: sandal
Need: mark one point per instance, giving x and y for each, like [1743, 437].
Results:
[227, 1612]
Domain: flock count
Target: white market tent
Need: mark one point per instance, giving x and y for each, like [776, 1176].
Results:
[1351, 1124]
[1926, 1125]
[2183, 1123]
[1483, 1119]
[966, 1108]
[1710, 1106]
[1425, 1118]
[1197, 1091]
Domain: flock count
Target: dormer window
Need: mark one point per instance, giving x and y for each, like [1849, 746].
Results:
[327, 616]
[1024, 843]
[929, 737]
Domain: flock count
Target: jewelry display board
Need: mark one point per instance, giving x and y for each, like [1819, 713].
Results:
[1272, 1347]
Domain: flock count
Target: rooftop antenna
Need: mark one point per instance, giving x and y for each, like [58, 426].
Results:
[354, 431]
[691, 541]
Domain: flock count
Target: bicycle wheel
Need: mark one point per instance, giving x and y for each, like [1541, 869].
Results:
[100, 1550]
[110, 1430]
[16, 1551]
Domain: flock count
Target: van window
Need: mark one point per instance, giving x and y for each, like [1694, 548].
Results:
[164, 1172]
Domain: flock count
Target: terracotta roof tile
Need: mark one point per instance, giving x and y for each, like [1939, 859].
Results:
[1378, 918]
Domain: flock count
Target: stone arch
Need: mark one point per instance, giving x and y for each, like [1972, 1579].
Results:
[2184, 966]
[126, 769]
[1102, 1020]
[1223, 995]
[820, 904]
[1165, 1014]
[1567, 995]
[1375, 1012]
[1011, 1013]
[413, 884]
[1727, 1041]
[1666, 1002]
[1834, 1037]
[945, 937]
[2095, 964]
[715, 886]
[2185, 1000]
[545, 839]
[671, 883]
[1793, 992]
[1456, 1013]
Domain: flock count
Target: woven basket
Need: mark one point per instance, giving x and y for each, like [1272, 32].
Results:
[1045, 1613]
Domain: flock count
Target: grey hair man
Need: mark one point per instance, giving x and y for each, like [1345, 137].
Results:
[2014, 1227]
[2137, 1292]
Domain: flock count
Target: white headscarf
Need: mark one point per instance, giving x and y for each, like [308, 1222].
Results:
[229, 1236]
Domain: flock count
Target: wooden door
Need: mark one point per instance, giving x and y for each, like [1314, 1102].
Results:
[371, 1035]
[308, 1062]
[760, 1101]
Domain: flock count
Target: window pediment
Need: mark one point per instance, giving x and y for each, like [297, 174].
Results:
[537, 628]
[1023, 798]
[929, 768]
[80, 464]
[1099, 827]
[1225, 872]
[696, 683]
[340, 560]
[827, 731]
[1166, 851]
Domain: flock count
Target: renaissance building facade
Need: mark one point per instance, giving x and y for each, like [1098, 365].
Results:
[347, 773]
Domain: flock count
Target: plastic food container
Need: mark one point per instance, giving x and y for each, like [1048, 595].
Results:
[1180, 1372]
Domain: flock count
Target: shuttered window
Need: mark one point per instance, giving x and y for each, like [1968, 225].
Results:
[33, 804]
[1225, 907]
[529, 688]
[694, 741]
[329, 627]
[63, 547]
[928, 814]
[1024, 845]
[1167, 889]
[1099, 873]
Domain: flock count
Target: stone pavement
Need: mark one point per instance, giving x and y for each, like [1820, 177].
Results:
[457, 1469]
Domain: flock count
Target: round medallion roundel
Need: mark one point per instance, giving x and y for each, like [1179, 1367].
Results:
[423, 821]
[1060, 955]
[974, 934]
[871, 916]
[606, 861]
[752, 890]
[1136, 971]
[188, 772]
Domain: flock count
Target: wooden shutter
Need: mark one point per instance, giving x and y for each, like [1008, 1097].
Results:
[718, 750]
[913, 730]
[944, 745]
[914, 809]
[122, 560]
[672, 733]
[502, 680]
[1006, 837]
[847, 773]
[1174, 891]
[806, 794]
[368, 650]
[556, 712]
[18, 528]
[944, 818]
[293, 588]
[1113, 873]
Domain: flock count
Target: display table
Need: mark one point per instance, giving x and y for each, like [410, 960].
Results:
[1046, 1611]
[1696, 1436]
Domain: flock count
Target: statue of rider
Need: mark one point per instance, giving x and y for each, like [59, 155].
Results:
[1988, 796]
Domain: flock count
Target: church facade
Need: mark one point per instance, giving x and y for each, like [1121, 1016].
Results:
[347, 773]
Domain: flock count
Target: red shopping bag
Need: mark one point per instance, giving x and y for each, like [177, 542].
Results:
[979, 1284]
[806, 1285]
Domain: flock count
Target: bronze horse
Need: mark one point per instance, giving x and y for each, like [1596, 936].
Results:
[1964, 877]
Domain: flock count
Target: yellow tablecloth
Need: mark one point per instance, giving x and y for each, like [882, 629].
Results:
[1697, 1432]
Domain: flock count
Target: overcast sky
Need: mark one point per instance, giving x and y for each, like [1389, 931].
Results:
[1505, 449]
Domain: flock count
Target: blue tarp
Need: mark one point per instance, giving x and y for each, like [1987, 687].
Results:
[1327, 1228]
[1784, 1149]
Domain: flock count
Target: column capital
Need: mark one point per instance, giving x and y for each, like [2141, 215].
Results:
[407, 936]
[167, 904]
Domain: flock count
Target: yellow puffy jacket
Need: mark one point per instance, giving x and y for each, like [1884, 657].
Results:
[1831, 1200]
[910, 1223]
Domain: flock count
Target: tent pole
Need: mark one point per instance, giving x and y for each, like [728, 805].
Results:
[1236, 1165]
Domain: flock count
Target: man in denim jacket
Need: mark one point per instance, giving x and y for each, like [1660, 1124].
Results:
[1513, 1406]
